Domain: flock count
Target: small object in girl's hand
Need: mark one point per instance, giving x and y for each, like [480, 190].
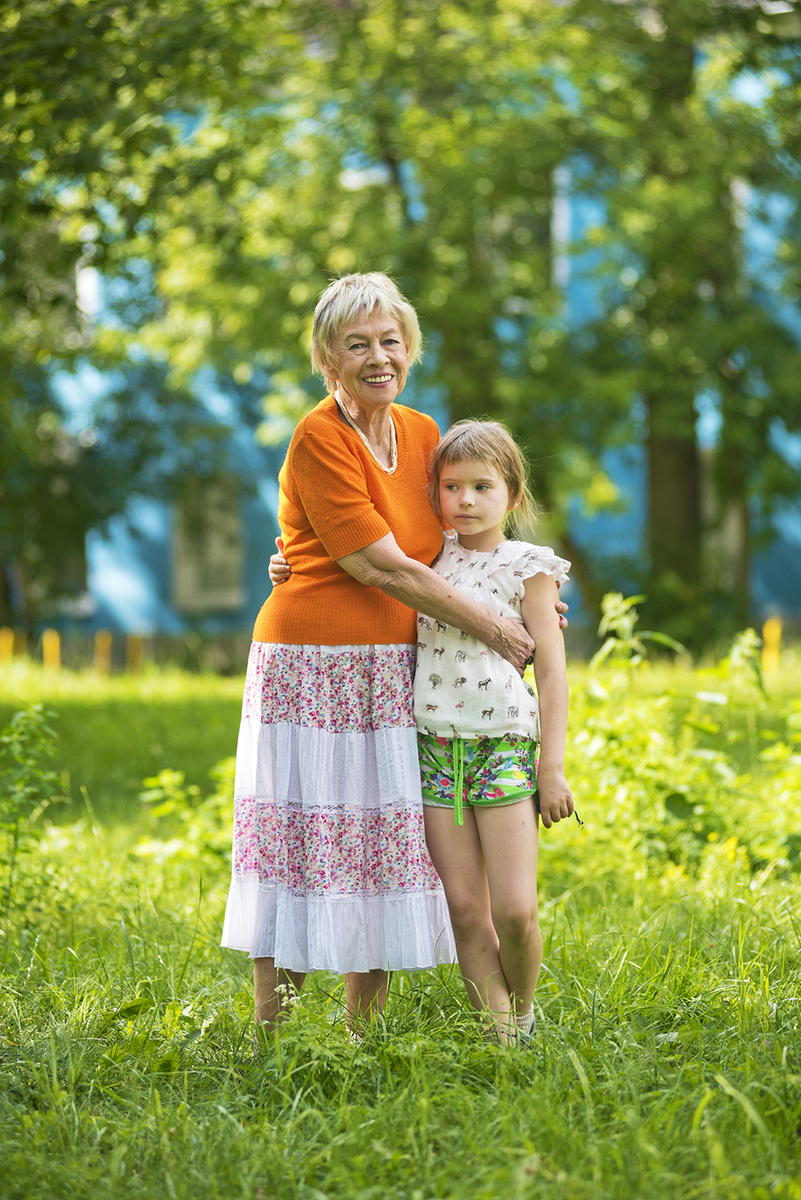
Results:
[575, 814]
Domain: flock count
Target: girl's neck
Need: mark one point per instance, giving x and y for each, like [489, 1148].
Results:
[484, 542]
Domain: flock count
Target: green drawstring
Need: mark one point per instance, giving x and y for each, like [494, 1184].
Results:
[458, 779]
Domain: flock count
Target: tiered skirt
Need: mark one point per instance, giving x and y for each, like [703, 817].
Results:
[330, 867]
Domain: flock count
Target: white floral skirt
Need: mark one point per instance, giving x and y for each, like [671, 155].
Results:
[330, 867]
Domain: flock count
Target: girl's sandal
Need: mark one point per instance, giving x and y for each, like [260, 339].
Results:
[524, 1027]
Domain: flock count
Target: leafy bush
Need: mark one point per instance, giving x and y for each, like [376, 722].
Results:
[201, 826]
[28, 786]
[667, 763]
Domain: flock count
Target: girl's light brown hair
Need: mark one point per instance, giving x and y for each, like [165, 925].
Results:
[489, 442]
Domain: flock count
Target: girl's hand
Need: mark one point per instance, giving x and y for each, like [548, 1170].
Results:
[279, 569]
[554, 795]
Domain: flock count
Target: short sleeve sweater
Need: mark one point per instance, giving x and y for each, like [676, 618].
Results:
[461, 687]
[335, 499]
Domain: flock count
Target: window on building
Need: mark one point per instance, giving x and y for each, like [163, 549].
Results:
[208, 547]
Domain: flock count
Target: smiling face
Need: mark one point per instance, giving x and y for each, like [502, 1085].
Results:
[369, 360]
[473, 500]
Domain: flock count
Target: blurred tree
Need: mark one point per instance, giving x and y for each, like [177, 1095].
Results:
[688, 130]
[95, 96]
[223, 160]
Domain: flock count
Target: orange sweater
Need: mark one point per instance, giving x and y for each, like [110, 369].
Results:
[335, 499]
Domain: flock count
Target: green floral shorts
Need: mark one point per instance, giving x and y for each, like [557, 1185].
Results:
[496, 770]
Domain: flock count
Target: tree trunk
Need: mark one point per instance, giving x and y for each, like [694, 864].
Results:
[674, 502]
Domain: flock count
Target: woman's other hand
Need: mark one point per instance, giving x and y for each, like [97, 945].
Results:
[513, 643]
[383, 564]
[562, 609]
[279, 569]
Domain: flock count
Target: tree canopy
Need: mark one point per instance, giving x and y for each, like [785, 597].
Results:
[217, 162]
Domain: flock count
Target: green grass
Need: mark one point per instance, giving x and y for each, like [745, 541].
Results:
[115, 731]
[667, 1058]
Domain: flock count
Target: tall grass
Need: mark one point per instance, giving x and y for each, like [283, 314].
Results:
[116, 730]
[667, 1058]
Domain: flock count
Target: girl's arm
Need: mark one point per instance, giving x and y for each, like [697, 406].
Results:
[542, 622]
[383, 564]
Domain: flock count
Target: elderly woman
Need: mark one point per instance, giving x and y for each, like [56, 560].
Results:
[330, 868]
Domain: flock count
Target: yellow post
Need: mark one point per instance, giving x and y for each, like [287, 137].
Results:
[102, 651]
[133, 651]
[51, 649]
[6, 644]
[771, 643]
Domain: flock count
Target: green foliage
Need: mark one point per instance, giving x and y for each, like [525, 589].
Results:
[619, 617]
[115, 731]
[686, 321]
[745, 657]
[218, 162]
[202, 825]
[28, 786]
[667, 1057]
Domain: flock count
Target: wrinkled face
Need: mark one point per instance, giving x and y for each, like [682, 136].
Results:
[474, 499]
[370, 360]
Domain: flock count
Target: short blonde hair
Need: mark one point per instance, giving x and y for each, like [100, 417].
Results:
[489, 442]
[352, 294]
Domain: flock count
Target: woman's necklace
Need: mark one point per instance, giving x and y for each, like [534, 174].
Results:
[393, 437]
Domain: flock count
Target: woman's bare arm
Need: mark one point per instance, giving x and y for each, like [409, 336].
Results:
[383, 564]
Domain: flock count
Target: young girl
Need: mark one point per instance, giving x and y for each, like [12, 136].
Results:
[479, 724]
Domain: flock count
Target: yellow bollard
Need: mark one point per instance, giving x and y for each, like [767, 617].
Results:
[6, 644]
[133, 651]
[771, 643]
[103, 652]
[51, 649]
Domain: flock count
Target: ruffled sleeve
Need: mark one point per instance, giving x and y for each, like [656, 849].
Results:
[541, 560]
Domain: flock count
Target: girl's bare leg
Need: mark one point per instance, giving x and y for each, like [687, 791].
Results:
[509, 841]
[365, 996]
[457, 855]
[270, 1003]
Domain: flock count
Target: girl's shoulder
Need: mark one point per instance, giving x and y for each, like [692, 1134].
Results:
[522, 559]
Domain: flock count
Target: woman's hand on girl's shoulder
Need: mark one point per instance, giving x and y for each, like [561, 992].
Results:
[562, 608]
[279, 569]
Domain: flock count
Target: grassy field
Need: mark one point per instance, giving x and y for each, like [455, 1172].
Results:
[667, 1058]
[114, 731]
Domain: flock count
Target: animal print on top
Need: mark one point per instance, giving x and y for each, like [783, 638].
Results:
[460, 685]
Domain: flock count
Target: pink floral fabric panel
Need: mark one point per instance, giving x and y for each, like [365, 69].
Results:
[332, 853]
[348, 690]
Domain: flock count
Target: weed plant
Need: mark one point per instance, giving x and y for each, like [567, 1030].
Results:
[666, 1061]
